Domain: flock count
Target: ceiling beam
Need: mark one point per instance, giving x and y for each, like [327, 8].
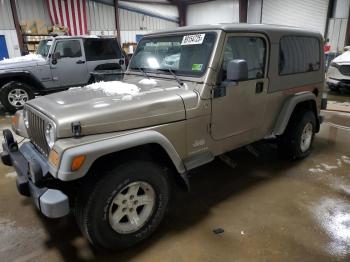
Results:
[182, 9]
[117, 21]
[243, 11]
[17, 25]
[163, 2]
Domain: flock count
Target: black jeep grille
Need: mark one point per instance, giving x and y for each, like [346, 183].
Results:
[36, 132]
[345, 70]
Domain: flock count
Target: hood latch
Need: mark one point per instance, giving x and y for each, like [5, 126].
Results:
[76, 129]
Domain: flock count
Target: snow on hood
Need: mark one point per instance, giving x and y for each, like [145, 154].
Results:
[344, 57]
[26, 58]
[114, 88]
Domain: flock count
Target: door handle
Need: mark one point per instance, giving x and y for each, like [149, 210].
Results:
[259, 87]
[80, 62]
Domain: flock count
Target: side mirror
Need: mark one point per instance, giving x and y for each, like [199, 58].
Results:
[55, 57]
[237, 70]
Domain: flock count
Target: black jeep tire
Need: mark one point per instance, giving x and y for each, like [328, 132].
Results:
[10, 89]
[97, 199]
[294, 143]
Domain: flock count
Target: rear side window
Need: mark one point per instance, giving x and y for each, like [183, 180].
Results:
[299, 54]
[101, 49]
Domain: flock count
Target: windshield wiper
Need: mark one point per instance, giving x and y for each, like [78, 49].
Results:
[173, 74]
[142, 70]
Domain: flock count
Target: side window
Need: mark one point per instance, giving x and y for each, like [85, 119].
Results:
[299, 54]
[68, 48]
[101, 49]
[250, 48]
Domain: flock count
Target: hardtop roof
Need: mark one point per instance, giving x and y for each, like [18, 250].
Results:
[254, 28]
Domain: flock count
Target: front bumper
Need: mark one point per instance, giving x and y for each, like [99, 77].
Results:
[338, 82]
[31, 169]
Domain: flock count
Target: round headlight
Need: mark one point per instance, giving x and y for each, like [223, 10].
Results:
[25, 118]
[50, 134]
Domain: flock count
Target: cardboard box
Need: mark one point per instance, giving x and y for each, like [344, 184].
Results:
[31, 47]
[41, 27]
[32, 27]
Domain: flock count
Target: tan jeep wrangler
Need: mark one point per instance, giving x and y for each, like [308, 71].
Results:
[111, 152]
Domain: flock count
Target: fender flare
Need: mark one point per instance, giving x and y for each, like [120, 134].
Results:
[288, 108]
[33, 81]
[95, 150]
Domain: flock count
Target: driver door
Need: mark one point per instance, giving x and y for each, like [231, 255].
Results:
[238, 107]
[70, 68]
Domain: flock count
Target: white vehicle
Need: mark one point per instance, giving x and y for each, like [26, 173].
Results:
[338, 74]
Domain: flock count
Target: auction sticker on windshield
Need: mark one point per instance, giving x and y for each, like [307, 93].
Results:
[193, 39]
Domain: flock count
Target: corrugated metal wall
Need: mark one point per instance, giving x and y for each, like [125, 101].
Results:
[336, 33]
[6, 20]
[100, 16]
[7, 28]
[29, 10]
[310, 14]
[101, 21]
[132, 24]
[337, 25]
[221, 11]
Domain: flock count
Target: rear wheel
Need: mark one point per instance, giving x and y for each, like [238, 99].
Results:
[125, 206]
[15, 94]
[297, 140]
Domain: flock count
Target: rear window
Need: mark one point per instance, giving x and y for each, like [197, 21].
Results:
[101, 49]
[299, 54]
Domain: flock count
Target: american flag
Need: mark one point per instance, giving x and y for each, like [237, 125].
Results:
[69, 13]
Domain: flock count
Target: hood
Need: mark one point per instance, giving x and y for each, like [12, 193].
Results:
[115, 106]
[22, 61]
[343, 58]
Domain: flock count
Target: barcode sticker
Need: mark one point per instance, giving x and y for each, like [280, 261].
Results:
[193, 39]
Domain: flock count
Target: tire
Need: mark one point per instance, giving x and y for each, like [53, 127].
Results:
[95, 205]
[9, 92]
[294, 143]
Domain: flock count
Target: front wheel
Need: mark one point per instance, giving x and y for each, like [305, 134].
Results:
[296, 142]
[125, 206]
[14, 95]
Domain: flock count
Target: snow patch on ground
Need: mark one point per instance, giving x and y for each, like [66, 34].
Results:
[338, 103]
[11, 174]
[316, 170]
[328, 167]
[115, 88]
[26, 58]
[345, 159]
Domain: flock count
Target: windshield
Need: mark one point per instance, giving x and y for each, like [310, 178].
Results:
[44, 47]
[185, 54]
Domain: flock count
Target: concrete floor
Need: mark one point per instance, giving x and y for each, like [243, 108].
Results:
[269, 209]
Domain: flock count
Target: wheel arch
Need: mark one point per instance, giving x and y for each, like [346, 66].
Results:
[146, 144]
[295, 104]
[24, 77]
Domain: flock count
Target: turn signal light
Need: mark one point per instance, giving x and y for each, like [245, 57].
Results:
[14, 121]
[77, 162]
[54, 158]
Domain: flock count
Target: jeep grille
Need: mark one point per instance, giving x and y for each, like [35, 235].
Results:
[36, 132]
